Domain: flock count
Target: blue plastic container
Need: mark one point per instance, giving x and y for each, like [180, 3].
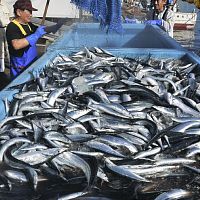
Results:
[138, 40]
[134, 36]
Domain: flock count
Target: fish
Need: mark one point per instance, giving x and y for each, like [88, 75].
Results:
[124, 172]
[96, 125]
[174, 194]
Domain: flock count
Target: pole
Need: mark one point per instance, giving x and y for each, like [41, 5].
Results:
[45, 12]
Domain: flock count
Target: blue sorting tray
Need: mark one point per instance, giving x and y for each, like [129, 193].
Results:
[138, 40]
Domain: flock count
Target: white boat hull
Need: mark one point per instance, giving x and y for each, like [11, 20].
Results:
[184, 21]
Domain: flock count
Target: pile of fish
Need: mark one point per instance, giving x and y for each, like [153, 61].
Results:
[97, 126]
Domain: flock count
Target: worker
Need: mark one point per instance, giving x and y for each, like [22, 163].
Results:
[162, 15]
[22, 37]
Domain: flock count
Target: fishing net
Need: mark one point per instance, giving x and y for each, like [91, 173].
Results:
[108, 12]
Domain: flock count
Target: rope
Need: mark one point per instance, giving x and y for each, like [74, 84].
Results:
[108, 12]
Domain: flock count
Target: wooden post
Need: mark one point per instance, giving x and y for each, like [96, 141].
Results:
[45, 12]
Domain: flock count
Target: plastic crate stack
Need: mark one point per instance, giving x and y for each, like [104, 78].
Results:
[108, 12]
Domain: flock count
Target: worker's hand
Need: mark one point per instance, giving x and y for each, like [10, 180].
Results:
[154, 22]
[40, 31]
[33, 38]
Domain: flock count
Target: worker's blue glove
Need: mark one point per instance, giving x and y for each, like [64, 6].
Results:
[33, 38]
[128, 20]
[154, 22]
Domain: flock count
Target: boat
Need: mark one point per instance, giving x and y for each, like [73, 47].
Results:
[184, 21]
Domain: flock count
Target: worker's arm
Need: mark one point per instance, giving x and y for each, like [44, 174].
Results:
[29, 40]
[20, 43]
[32, 39]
